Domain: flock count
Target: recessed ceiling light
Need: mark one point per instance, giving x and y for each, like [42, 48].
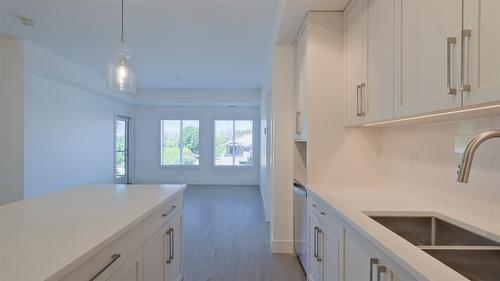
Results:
[27, 21]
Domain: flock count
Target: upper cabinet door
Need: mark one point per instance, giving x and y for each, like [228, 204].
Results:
[430, 56]
[481, 47]
[355, 28]
[380, 81]
[301, 113]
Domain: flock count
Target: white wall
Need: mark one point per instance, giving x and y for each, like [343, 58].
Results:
[198, 97]
[68, 124]
[11, 119]
[147, 146]
[424, 159]
[281, 168]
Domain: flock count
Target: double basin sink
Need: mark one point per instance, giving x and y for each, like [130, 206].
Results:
[472, 255]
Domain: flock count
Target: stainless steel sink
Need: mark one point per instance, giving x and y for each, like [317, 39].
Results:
[475, 264]
[430, 230]
[472, 255]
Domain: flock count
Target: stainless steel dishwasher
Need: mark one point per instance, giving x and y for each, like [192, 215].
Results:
[300, 222]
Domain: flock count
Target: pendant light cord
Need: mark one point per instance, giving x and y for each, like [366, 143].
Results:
[122, 38]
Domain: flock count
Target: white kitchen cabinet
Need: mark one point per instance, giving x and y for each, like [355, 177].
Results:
[163, 252]
[429, 41]
[355, 54]
[301, 113]
[379, 89]
[369, 61]
[173, 249]
[325, 240]
[364, 262]
[314, 265]
[331, 255]
[150, 251]
[317, 66]
[481, 59]
[337, 251]
[156, 255]
[132, 270]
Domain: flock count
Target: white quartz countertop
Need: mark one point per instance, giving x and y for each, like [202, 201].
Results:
[41, 238]
[354, 202]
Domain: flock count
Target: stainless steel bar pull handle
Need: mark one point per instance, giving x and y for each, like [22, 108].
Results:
[362, 99]
[170, 211]
[114, 258]
[171, 244]
[297, 123]
[450, 41]
[169, 241]
[358, 111]
[381, 269]
[318, 258]
[373, 261]
[466, 35]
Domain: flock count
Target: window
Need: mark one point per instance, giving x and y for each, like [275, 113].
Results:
[233, 143]
[180, 142]
[121, 149]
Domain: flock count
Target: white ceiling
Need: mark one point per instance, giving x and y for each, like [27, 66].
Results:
[175, 44]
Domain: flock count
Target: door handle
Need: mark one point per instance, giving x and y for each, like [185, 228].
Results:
[380, 269]
[114, 258]
[318, 258]
[170, 211]
[466, 35]
[169, 241]
[297, 123]
[373, 261]
[362, 87]
[172, 244]
[450, 41]
[358, 111]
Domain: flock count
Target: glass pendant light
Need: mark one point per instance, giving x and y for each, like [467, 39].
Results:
[121, 76]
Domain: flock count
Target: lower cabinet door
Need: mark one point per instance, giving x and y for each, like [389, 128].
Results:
[156, 255]
[314, 266]
[132, 270]
[173, 246]
[358, 263]
[331, 256]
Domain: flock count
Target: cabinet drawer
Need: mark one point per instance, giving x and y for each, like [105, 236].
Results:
[162, 215]
[327, 214]
[109, 259]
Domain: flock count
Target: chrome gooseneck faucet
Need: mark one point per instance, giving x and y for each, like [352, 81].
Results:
[465, 166]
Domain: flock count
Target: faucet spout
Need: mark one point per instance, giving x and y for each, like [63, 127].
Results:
[465, 167]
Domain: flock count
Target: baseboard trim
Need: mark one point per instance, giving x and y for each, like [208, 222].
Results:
[282, 247]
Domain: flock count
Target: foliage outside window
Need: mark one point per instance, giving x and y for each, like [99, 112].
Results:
[180, 142]
[234, 143]
[120, 148]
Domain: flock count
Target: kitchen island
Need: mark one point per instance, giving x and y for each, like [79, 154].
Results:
[94, 232]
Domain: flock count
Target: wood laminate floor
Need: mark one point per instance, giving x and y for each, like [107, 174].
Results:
[226, 238]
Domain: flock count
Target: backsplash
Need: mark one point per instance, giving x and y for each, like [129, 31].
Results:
[426, 157]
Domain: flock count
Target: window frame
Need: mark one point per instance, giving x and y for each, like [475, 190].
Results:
[181, 142]
[233, 166]
[119, 179]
